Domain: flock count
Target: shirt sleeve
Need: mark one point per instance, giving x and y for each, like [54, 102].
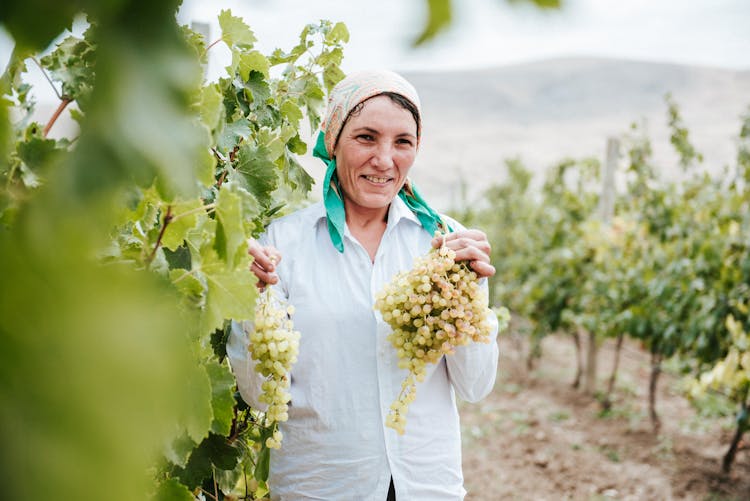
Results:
[472, 369]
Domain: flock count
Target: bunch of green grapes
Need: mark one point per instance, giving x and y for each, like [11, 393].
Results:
[274, 345]
[732, 374]
[432, 308]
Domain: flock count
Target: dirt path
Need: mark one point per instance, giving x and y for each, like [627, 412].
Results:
[536, 438]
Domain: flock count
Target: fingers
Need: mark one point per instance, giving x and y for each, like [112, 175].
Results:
[464, 238]
[264, 277]
[482, 269]
[472, 246]
[264, 263]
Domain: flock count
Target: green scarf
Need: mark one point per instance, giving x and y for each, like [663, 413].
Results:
[334, 204]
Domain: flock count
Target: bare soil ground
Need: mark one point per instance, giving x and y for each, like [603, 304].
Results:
[537, 438]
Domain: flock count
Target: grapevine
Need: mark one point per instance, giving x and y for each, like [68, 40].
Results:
[432, 308]
[274, 346]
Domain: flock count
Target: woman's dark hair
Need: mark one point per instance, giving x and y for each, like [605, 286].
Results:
[396, 98]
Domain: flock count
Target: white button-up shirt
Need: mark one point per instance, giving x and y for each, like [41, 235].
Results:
[336, 445]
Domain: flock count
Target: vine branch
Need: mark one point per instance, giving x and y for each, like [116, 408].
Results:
[213, 475]
[218, 155]
[167, 220]
[237, 428]
[211, 496]
[221, 180]
[63, 104]
[209, 46]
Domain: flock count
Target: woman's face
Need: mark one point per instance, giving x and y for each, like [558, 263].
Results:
[374, 153]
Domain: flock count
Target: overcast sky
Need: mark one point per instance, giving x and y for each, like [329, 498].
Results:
[491, 32]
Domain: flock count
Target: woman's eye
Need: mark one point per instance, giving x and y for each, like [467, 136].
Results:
[365, 137]
[404, 141]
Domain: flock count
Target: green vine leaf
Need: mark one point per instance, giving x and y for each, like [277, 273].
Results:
[185, 218]
[263, 462]
[257, 172]
[200, 416]
[230, 292]
[291, 111]
[222, 400]
[178, 450]
[234, 31]
[230, 234]
[211, 107]
[192, 290]
[71, 64]
[252, 61]
[213, 451]
[38, 153]
[233, 133]
[295, 175]
[338, 34]
[256, 89]
[172, 490]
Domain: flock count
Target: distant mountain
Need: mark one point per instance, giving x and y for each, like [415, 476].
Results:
[563, 88]
[545, 111]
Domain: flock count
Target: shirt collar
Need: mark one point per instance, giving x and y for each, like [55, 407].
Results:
[396, 212]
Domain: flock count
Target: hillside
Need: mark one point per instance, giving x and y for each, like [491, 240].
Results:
[544, 111]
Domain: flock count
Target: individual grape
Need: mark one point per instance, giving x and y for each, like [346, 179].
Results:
[274, 346]
[432, 308]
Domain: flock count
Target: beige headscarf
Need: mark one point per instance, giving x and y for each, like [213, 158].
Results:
[357, 88]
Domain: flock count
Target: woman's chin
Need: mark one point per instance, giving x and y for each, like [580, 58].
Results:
[373, 201]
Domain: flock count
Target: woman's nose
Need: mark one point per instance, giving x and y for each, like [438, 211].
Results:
[383, 158]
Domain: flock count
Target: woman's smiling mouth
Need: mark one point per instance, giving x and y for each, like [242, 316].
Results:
[377, 180]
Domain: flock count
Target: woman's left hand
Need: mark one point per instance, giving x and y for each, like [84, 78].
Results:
[472, 246]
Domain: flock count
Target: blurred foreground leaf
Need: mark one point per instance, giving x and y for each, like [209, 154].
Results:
[91, 374]
[439, 16]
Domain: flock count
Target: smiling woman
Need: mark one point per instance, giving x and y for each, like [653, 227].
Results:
[371, 225]
[375, 150]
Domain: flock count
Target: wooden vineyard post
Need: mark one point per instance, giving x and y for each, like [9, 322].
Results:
[605, 212]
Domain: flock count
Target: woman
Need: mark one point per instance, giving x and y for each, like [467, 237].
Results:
[329, 261]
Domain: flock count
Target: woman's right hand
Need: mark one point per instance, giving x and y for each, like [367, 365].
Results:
[264, 264]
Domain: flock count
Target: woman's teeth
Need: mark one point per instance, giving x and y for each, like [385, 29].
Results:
[379, 180]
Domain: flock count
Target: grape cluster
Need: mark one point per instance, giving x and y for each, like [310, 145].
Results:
[432, 308]
[730, 375]
[274, 345]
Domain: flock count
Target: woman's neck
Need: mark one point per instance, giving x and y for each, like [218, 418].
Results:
[367, 226]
